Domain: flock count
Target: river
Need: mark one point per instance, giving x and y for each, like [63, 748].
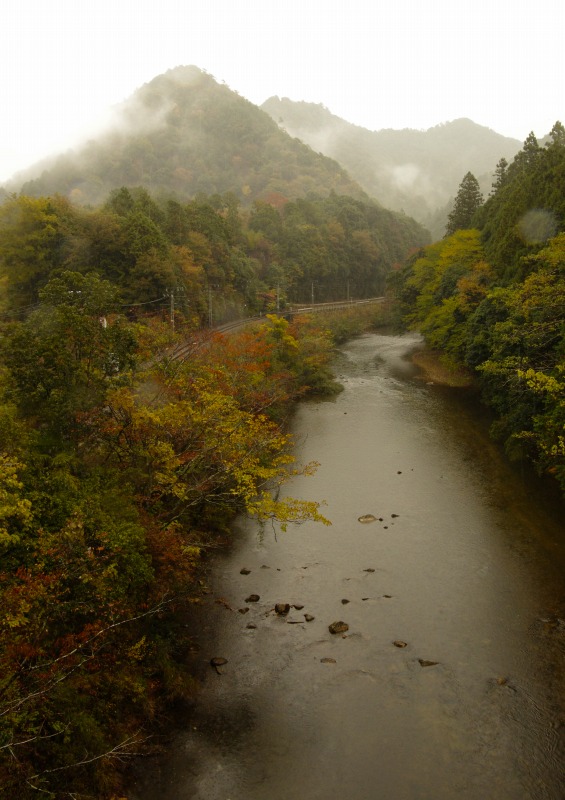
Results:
[449, 683]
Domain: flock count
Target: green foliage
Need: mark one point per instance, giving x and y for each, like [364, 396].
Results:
[64, 355]
[335, 247]
[493, 299]
[218, 261]
[413, 171]
[512, 336]
[527, 207]
[29, 247]
[120, 464]
[188, 135]
[526, 360]
[468, 200]
[442, 288]
[112, 485]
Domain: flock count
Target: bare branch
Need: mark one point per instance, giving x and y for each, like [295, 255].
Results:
[118, 752]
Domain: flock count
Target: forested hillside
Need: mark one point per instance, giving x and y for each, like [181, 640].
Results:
[492, 298]
[183, 134]
[217, 259]
[122, 465]
[410, 170]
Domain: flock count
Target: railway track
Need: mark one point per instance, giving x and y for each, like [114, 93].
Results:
[186, 348]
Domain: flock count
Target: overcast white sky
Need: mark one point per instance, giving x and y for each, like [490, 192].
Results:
[395, 64]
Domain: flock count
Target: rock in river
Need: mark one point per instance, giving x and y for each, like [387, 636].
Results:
[282, 608]
[218, 661]
[367, 518]
[253, 598]
[338, 627]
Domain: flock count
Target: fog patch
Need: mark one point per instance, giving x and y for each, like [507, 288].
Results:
[411, 180]
[323, 141]
[538, 225]
[140, 114]
[405, 176]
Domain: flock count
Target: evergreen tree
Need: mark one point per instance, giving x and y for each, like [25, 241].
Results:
[500, 175]
[527, 156]
[467, 201]
[557, 134]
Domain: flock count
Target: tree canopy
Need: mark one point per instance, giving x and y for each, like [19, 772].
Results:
[128, 444]
[467, 201]
[492, 299]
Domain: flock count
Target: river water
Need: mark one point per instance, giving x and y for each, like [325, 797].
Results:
[463, 565]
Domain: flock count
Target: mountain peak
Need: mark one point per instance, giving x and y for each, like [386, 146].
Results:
[415, 171]
[183, 134]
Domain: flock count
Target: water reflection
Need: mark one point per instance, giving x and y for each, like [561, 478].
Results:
[462, 563]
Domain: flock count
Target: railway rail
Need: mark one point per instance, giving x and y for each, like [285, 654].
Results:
[185, 348]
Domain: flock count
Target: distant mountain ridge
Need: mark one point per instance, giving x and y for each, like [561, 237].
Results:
[410, 170]
[184, 134]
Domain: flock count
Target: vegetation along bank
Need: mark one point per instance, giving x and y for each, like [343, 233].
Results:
[122, 466]
[490, 298]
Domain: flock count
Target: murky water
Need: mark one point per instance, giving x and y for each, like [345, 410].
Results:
[464, 564]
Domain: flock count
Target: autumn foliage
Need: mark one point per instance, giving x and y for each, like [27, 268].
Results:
[117, 473]
[491, 299]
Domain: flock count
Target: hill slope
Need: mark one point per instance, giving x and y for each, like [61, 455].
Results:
[183, 134]
[492, 298]
[410, 170]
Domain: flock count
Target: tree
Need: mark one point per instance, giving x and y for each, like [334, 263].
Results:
[557, 134]
[467, 201]
[500, 176]
[66, 353]
[29, 246]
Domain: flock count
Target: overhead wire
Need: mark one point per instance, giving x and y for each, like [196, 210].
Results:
[33, 306]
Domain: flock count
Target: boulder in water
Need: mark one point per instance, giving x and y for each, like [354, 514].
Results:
[338, 627]
[218, 661]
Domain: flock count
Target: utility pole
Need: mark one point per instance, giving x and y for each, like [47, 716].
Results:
[171, 295]
[210, 316]
[278, 298]
[312, 292]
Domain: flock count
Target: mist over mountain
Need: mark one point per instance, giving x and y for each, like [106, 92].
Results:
[415, 171]
[183, 134]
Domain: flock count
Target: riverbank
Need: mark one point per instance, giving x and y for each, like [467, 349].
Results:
[450, 666]
[435, 370]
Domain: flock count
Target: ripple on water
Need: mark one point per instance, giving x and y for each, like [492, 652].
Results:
[460, 576]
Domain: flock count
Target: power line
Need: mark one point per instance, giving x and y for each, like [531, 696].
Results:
[146, 303]
[33, 306]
